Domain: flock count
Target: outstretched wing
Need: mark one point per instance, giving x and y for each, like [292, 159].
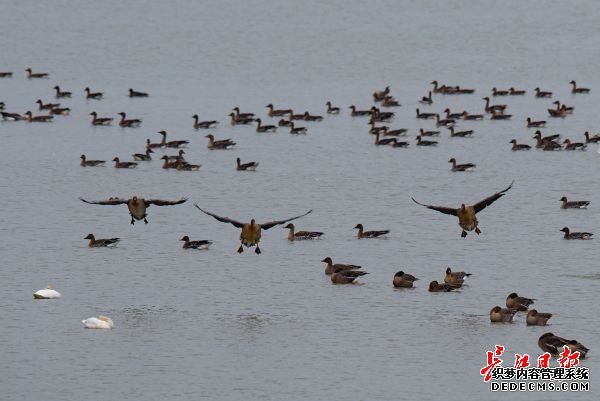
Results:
[159, 202]
[442, 209]
[223, 219]
[479, 206]
[110, 201]
[270, 224]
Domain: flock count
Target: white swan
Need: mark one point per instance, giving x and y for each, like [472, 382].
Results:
[100, 322]
[46, 293]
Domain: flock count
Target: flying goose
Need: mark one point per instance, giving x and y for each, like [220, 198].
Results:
[137, 206]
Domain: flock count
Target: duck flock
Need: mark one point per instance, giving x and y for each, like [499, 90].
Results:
[379, 123]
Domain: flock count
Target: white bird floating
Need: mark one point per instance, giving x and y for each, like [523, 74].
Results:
[46, 293]
[100, 322]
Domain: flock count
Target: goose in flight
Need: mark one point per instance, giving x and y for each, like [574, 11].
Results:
[137, 206]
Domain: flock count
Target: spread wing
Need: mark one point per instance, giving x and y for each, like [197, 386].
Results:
[442, 209]
[223, 219]
[479, 206]
[110, 201]
[159, 202]
[270, 224]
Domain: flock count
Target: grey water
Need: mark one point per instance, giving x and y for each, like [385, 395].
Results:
[222, 326]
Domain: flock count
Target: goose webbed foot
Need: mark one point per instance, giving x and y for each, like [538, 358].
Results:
[477, 230]
[132, 221]
[145, 221]
[240, 249]
[257, 250]
[463, 234]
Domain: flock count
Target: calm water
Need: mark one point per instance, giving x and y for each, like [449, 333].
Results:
[221, 326]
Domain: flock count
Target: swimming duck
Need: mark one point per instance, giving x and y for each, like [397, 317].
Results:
[300, 235]
[143, 156]
[6, 74]
[182, 165]
[551, 146]
[169, 163]
[552, 344]
[101, 242]
[540, 141]
[535, 124]
[434, 286]
[394, 132]
[240, 120]
[446, 122]
[334, 268]
[100, 322]
[519, 146]
[250, 166]
[399, 144]
[60, 93]
[467, 219]
[428, 133]
[593, 139]
[297, 130]
[131, 123]
[460, 134]
[535, 318]
[466, 116]
[425, 116]
[575, 89]
[563, 107]
[295, 117]
[456, 278]
[573, 204]
[496, 92]
[90, 163]
[331, 109]
[461, 167]
[421, 142]
[284, 123]
[346, 276]
[264, 128]
[464, 91]
[384, 141]
[575, 235]
[46, 293]
[359, 113]
[242, 115]
[137, 206]
[120, 164]
[557, 113]
[220, 144]
[491, 108]
[203, 124]
[92, 95]
[499, 115]
[178, 157]
[46, 106]
[452, 116]
[516, 92]
[133, 93]
[100, 121]
[277, 112]
[61, 111]
[389, 101]
[513, 301]
[369, 234]
[172, 144]
[38, 119]
[200, 244]
[310, 117]
[12, 116]
[375, 128]
[502, 315]
[251, 232]
[381, 116]
[426, 99]
[32, 75]
[403, 280]
[153, 145]
[378, 96]
[574, 145]
[541, 93]
[438, 89]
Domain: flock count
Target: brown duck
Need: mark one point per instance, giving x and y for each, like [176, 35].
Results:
[467, 218]
[535, 318]
[101, 242]
[100, 121]
[251, 232]
[502, 315]
[346, 276]
[403, 280]
[199, 244]
[203, 124]
[566, 204]
[513, 301]
[548, 342]
[519, 146]
[575, 235]
[334, 268]
[250, 166]
[137, 206]
[369, 234]
[456, 278]
[301, 235]
[220, 144]
[90, 163]
[434, 286]
[120, 164]
[130, 123]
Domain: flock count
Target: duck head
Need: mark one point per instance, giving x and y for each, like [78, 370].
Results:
[512, 295]
[433, 285]
[563, 199]
[399, 274]
[327, 260]
[496, 309]
[116, 159]
[290, 226]
[453, 160]
[448, 270]
[90, 236]
[565, 230]
[358, 227]
[185, 238]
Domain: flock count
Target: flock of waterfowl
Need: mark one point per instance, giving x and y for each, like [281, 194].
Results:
[384, 135]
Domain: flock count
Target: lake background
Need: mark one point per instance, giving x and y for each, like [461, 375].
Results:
[221, 326]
